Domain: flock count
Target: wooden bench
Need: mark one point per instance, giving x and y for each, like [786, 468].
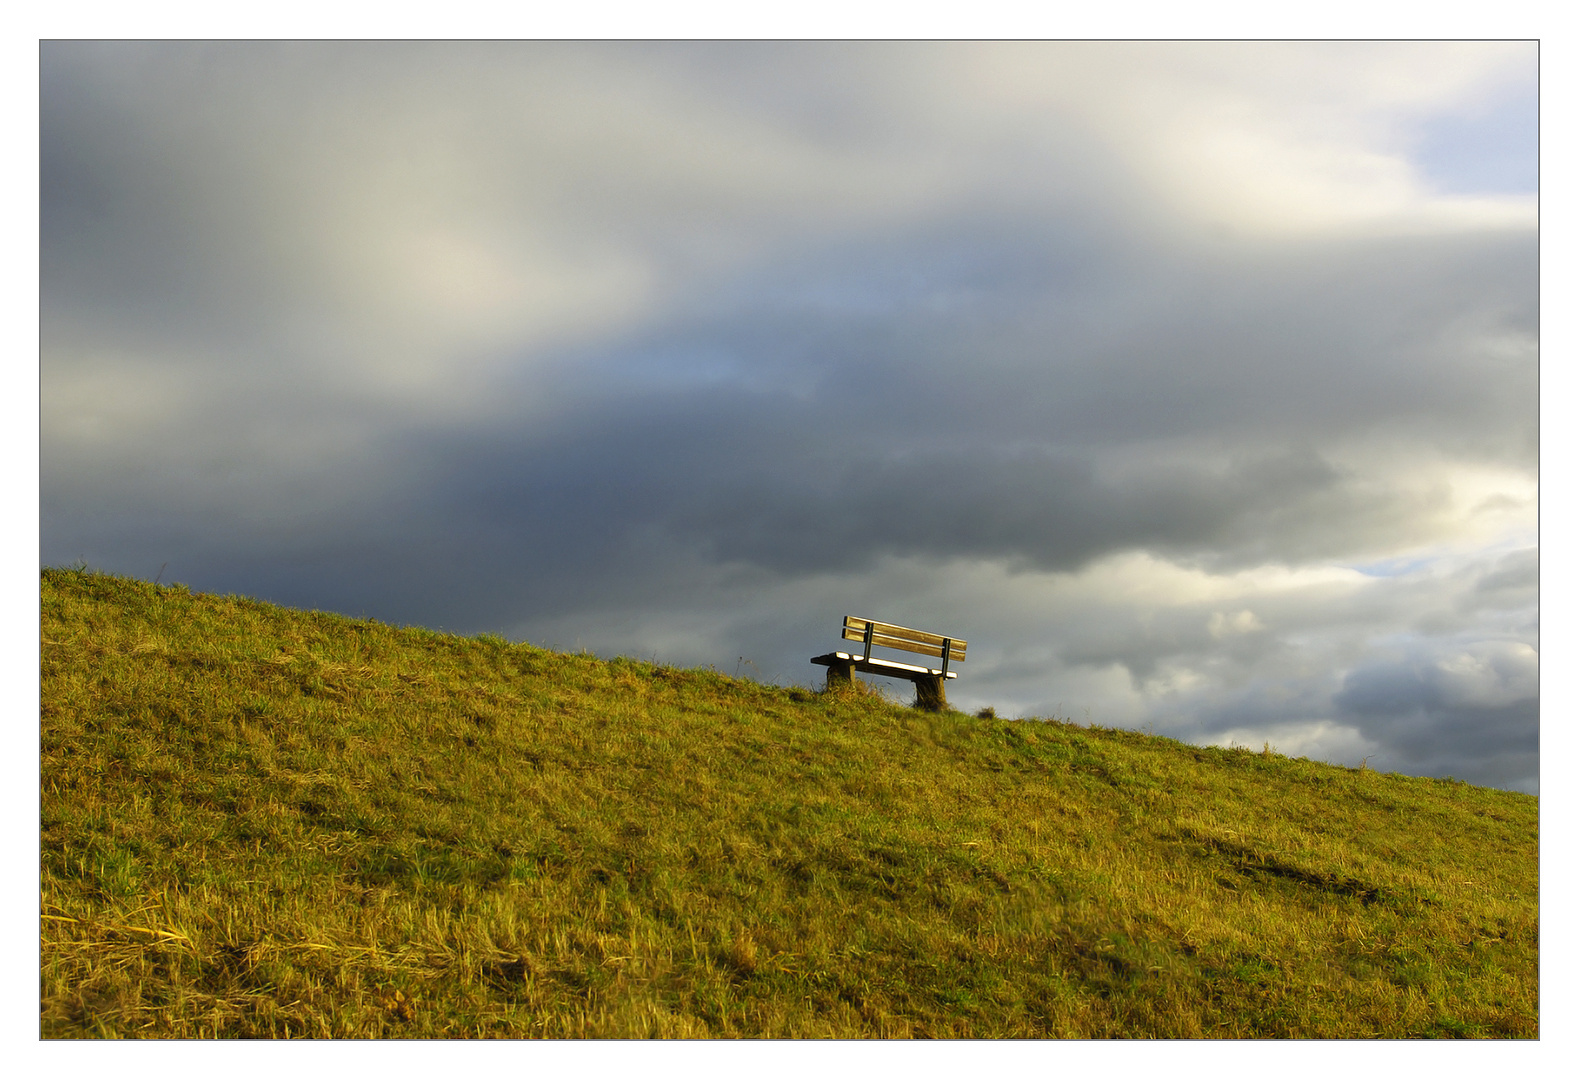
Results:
[929, 680]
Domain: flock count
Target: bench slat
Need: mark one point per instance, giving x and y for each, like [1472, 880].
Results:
[891, 636]
[956, 652]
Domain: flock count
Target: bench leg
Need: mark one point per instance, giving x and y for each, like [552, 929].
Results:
[929, 694]
[841, 674]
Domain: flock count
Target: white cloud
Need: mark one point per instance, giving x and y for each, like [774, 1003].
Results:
[1318, 740]
[1487, 675]
[1222, 625]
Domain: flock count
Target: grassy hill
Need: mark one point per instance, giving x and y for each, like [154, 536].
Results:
[264, 822]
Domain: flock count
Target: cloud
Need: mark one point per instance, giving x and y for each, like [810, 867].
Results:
[1194, 384]
[1488, 676]
[1478, 703]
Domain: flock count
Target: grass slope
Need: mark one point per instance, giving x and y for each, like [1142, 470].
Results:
[264, 822]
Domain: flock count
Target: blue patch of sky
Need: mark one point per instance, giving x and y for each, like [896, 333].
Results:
[1489, 148]
[1391, 568]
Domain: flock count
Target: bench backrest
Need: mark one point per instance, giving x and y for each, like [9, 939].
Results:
[890, 636]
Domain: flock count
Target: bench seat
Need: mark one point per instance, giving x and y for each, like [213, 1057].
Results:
[873, 665]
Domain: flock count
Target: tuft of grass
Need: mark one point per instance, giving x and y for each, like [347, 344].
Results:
[260, 822]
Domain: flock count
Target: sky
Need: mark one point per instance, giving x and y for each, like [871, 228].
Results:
[1194, 384]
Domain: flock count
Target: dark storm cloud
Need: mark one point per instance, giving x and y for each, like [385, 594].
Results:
[799, 440]
[684, 348]
[1475, 709]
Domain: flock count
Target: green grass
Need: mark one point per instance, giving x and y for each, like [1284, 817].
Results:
[264, 822]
